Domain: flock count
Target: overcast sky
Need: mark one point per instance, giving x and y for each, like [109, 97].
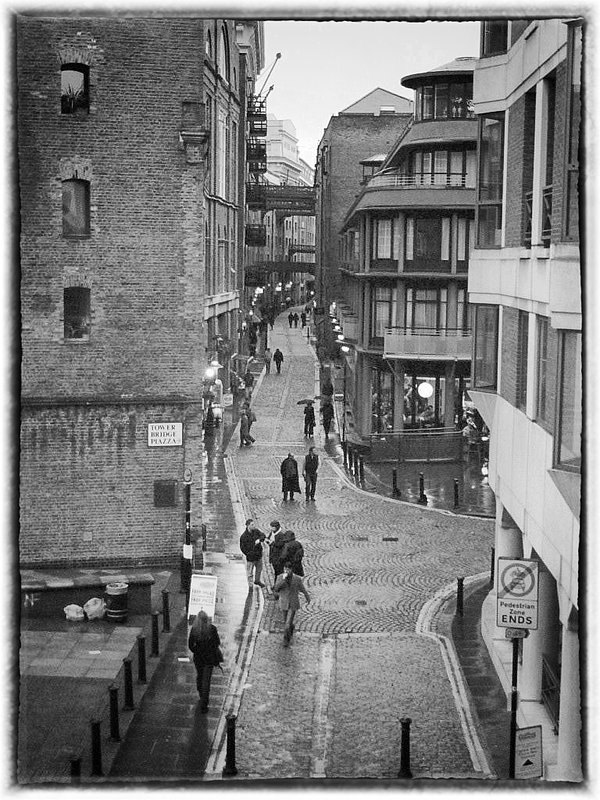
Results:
[327, 66]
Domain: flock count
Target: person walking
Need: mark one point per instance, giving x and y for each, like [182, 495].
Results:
[251, 417]
[296, 319]
[205, 644]
[248, 384]
[288, 588]
[268, 355]
[289, 477]
[278, 359]
[291, 318]
[251, 546]
[309, 419]
[245, 437]
[309, 472]
[303, 319]
[293, 553]
[327, 412]
[279, 538]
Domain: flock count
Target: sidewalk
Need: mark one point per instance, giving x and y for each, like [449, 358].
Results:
[329, 706]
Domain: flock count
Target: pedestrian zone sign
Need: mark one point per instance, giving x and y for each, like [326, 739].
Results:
[203, 594]
[528, 752]
[517, 598]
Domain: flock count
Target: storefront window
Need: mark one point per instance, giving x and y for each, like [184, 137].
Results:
[382, 404]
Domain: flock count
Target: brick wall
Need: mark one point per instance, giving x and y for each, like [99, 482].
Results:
[518, 154]
[88, 475]
[560, 152]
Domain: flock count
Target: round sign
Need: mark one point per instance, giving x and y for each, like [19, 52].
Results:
[187, 476]
[518, 579]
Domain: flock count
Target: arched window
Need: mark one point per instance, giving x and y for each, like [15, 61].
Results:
[223, 55]
[76, 207]
[74, 89]
[209, 47]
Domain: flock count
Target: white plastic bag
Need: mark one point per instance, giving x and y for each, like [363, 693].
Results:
[95, 608]
[73, 612]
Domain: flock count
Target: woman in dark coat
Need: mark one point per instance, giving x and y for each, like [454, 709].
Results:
[327, 412]
[204, 643]
[289, 477]
[309, 419]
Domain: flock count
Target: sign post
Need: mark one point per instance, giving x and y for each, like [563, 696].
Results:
[187, 555]
[517, 611]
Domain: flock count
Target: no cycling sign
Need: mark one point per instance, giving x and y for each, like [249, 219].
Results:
[517, 598]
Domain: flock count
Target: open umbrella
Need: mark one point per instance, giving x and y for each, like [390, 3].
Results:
[305, 402]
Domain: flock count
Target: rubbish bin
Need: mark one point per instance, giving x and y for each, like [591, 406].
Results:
[115, 597]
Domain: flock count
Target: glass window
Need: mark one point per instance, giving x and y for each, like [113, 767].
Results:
[74, 89]
[427, 102]
[522, 342]
[486, 347]
[462, 311]
[440, 167]
[383, 229]
[441, 100]
[569, 405]
[426, 309]
[382, 401]
[495, 37]
[223, 60]
[76, 207]
[382, 310]
[76, 308]
[491, 147]
[541, 409]
[574, 65]
[445, 239]
[410, 238]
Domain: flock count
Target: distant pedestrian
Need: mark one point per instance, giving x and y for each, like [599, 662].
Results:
[327, 412]
[278, 359]
[327, 389]
[303, 319]
[245, 436]
[309, 472]
[205, 644]
[248, 384]
[296, 320]
[309, 419]
[268, 357]
[289, 477]
[293, 553]
[288, 588]
[291, 318]
[251, 546]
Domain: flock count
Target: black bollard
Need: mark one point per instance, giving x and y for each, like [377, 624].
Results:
[154, 651]
[128, 704]
[166, 614]
[344, 451]
[113, 692]
[405, 748]
[395, 490]
[456, 504]
[361, 469]
[492, 566]
[422, 496]
[141, 640]
[96, 748]
[230, 769]
[459, 596]
[75, 769]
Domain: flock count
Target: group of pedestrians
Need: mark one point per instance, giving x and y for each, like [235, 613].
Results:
[277, 357]
[285, 555]
[294, 318]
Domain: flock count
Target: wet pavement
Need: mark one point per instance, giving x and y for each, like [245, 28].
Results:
[373, 647]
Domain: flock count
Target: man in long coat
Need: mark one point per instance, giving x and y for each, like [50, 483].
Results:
[289, 477]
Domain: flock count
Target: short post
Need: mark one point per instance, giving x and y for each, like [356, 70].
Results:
[76, 769]
[230, 769]
[459, 596]
[115, 735]
[395, 490]
[141, 640]
[405, 748]
[492, 566]
[344, 451]
[165, 612]
[361, 469]
[96, 748]
[422, 496]
[128, 703]
[456, 503]
[154, 651]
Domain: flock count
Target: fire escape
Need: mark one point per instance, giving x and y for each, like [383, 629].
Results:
[256, 157]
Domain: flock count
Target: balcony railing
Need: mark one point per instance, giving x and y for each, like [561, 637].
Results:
[437, 180]
[446, 343]
[546, 232]
[256, 235]
[256, 196]
[257, 116]
[256, 155]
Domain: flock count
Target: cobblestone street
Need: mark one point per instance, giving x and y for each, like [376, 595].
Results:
[330, 705]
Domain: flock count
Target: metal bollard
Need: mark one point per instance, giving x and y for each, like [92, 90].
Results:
[361, 469]
[96, 748]
[492, 566]
[395, 490]
[128, 704]
[166, 614]
[456, 503]
[113, 692]
[405, 749]
[154, 650]
[459, 596]
[230, 769]
[345, 452]
[141, 640]
[422, 496]
[76, 769]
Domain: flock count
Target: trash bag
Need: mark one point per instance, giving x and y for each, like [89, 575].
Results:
[95, 608]
[73, 612]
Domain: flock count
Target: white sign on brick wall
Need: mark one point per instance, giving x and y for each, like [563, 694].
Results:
[165, 434]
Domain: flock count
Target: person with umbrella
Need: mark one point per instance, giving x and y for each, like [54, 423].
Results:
[289, 477]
